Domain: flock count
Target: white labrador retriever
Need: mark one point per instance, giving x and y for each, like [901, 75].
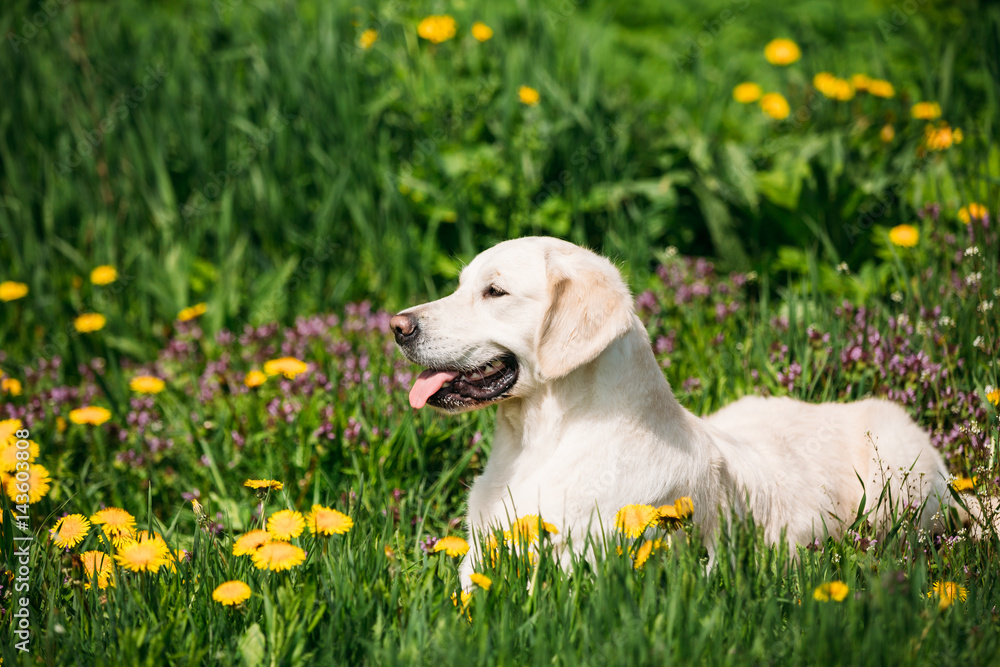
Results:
[587, 423]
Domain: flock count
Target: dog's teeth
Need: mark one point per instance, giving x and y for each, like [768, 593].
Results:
[490, 369]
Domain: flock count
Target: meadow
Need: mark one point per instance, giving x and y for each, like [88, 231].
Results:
[210, 211]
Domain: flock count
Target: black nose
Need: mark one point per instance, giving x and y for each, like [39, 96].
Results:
[404, 327]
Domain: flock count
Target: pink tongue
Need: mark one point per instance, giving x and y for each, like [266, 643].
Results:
[427, 384]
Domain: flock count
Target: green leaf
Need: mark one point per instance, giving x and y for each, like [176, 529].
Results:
[252, 646]
[721, 227]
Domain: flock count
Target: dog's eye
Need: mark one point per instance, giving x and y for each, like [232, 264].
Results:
[493, 291]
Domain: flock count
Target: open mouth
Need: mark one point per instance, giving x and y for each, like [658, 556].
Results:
[456, 390]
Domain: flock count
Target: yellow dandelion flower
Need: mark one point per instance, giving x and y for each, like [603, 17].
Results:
[747, 92]
[842, 90]
[12, 291]
[481, 31]
[9, 451]
[461, 602]
[144, 535]
[437, 29]
[263, 484]
[254, 378]
[481, 580]
[147, 555]
[905, 236]
[947, 592]
[104, 275]
[287, 366]
[231, 593]
[200, 515]
[833, 87]
[860, 82]
[887, 133]
[89, 322]
[775, 105]
[90, 414]
[684, 507]
[963, 484]
[69, 531]
[97, 565]
[647, 548]
[824, 82]
[634, 519]
[38, 484]
[831, 590]
[286, 524]
[453, 546]
[926, 110]
[248, 543]
[8, 427]
[328, 521]
[671, 516]
[782, 52]
[11, 386]
[525, 530]
[973, 211]
[192, 312]
[881, 88]
[941, 137]
[117, 525]
[61, 424]
[993, 397]
[146, 384]
[367, 38]
[668, 516]
[278, 556]
[528, 96]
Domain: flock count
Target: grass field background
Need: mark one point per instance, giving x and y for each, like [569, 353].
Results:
[273, 179]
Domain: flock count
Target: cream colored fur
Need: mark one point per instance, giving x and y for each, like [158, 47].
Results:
[592, 424]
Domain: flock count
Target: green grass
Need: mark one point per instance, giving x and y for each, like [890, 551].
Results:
[280, 174]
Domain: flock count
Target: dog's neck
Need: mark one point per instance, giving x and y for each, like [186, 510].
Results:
[538, 419]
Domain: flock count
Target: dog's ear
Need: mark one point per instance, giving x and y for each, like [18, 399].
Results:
[589, 306]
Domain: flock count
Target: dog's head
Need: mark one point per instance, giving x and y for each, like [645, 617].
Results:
[526, 312]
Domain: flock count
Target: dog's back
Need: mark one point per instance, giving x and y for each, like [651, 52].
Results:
[814, 454]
